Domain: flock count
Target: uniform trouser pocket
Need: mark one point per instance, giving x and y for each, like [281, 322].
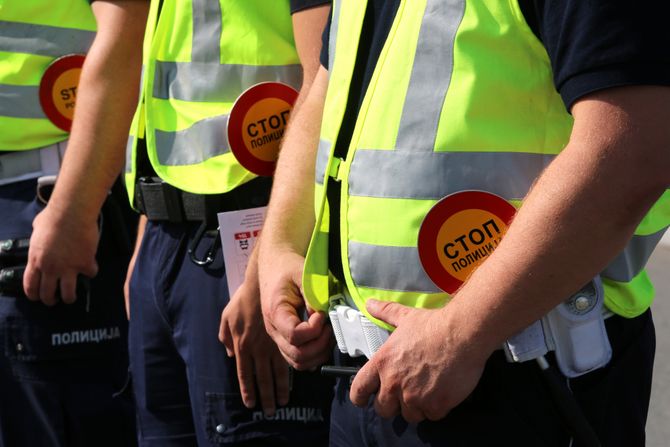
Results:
[41, 351]
[228, 420]
[303, 422]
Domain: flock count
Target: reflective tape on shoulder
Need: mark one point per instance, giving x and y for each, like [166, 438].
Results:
[334, 27]
[431, 74]
[206, 31]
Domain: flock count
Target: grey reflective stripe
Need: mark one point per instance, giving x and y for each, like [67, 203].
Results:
[322, 160]
[332, 38]
[129, 153]
[630, 262]
[431, 75]
[20, 101]
[433, 175]
[388, 268]
[214, 82]
[20, 165]
[43, 40]
[206, 39]
[205, 139]
[399, 268]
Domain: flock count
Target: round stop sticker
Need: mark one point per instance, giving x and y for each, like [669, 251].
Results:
[257, 123]
[58, 89]
[459, 233]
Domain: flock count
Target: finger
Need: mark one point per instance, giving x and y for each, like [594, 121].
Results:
[306, 357]
[265, 384]
[310, 330]
[31, 282]
[225, 336]
[245, 375]
[91, 270]
[366, 383]
[436, 412]
[311, 354]
[287, 351]
[68, 288]
[48, 284]
[282, 380]
[285, 320]
[410, 413]
[391, 313]
[386, 403]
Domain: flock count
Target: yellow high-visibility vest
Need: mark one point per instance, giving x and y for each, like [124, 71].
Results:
[32, 35]
[461, 98]
[199, 56]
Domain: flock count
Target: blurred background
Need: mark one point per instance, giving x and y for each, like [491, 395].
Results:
[658, 424]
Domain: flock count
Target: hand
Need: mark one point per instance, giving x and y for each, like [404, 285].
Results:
[259, 362]
[304, 344]
[61, 247]
[423, 370]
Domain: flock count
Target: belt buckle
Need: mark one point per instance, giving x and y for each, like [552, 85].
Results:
[355, 334]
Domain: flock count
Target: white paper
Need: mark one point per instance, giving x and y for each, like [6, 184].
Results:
[239, 231]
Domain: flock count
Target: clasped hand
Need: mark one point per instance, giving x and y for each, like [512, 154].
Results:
[423, 370]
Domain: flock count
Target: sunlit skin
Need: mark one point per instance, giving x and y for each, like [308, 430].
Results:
[65, 234]
[435, 358]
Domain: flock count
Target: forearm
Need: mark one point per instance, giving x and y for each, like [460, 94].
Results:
[108, 92]
[308, 25]
[578, 216]
[290, 217]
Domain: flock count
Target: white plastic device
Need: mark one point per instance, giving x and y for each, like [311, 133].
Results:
[356, 335]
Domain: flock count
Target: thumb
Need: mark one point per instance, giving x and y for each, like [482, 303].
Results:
[91, 269]
[388, 312]
[226, 337]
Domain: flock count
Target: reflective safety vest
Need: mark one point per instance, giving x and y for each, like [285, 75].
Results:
[32, 35]
[461, 99]
[199, 56]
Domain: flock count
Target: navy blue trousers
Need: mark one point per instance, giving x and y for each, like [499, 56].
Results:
[61, 366]
[512, 407]
[185, 385]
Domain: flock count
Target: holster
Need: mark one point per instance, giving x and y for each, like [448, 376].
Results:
[574, 330]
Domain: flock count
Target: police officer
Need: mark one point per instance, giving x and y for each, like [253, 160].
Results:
[497, 96]
[180, 172]
[62, 361]
[185, 384]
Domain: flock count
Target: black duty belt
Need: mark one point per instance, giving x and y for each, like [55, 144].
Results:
[161, 201]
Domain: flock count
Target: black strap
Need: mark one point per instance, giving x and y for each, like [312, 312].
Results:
[161, 201]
